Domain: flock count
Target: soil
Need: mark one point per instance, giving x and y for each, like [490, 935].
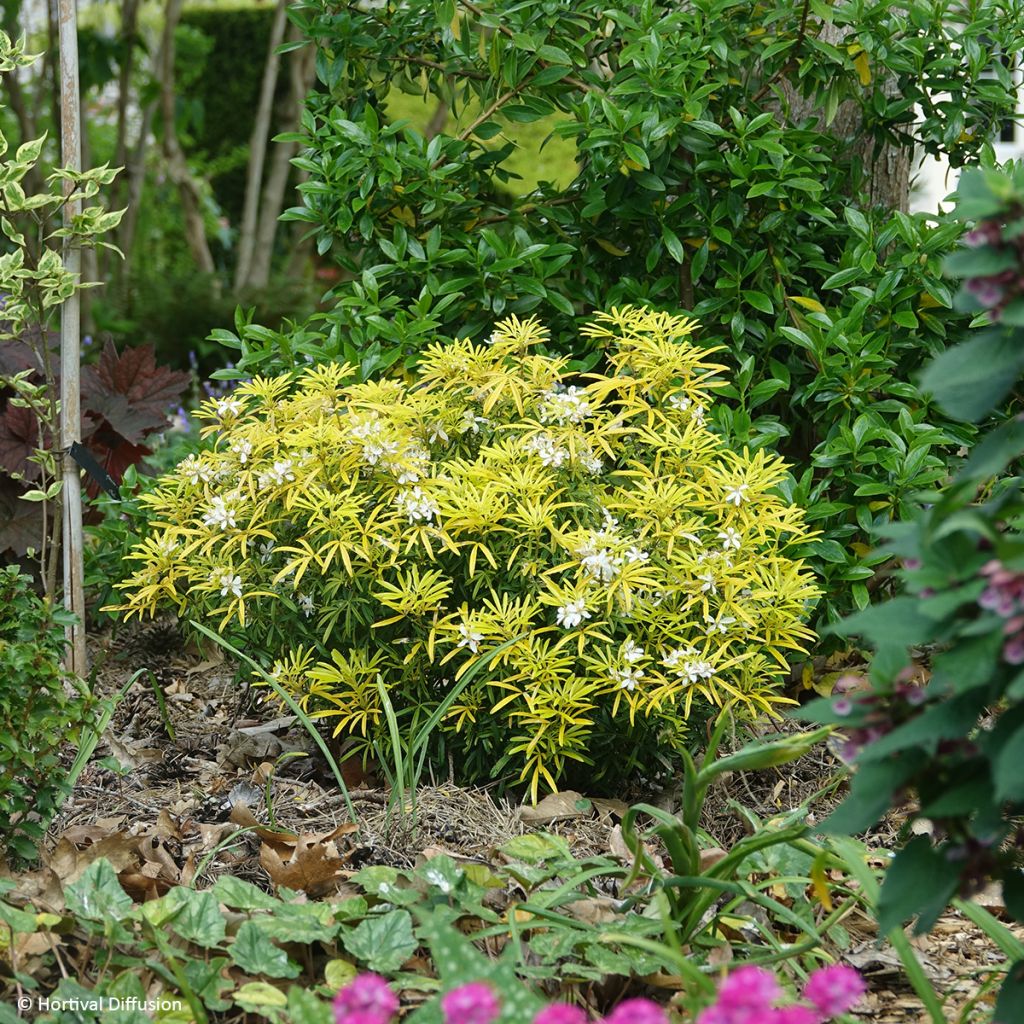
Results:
[167, 790]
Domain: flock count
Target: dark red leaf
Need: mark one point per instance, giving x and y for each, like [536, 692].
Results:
[19, 438]
[130, 391]
[21, 523]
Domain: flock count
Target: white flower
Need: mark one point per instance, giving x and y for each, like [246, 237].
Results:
[165, 546]
[229, 584]
[306, 604]
[730, 538]
[546, 449]
[471, 423]
[281, 472]
[374, 451]
[699, 670]
[492, 338]
[674, 657]
[243, 449]
[572, 614]
[416, 505]
[602, 565]
[736, 494]
[631, 652]
[719, 625]
[265, 551]
[436, 433]
[470, 638]
[220, 514]
[627, 678]
[228, 407]
[564, 406]
[635, 554]
[707, 583]
[591, 463]
[679, 401]
[194, 470]
[698, 414]
[610, 522]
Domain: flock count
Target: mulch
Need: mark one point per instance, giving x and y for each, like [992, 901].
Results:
[166, 809]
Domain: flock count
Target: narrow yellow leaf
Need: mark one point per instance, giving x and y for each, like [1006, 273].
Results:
[863, 66]
[808, 303]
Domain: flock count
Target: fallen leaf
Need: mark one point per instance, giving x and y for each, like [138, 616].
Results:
[554, 807]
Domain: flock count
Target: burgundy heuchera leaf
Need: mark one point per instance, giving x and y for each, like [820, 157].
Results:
[130, 391]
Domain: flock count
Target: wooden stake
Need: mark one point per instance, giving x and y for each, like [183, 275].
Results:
[70, 341]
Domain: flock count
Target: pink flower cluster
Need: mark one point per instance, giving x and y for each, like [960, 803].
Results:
[1004, 595]
[749, 995]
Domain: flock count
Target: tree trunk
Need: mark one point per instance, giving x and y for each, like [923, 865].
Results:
[258, 141]
[177, 165]
[301, 68]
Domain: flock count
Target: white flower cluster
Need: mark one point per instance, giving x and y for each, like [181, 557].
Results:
[417, 505]
[570, 615]
[282, 471]
[683, 661]
[408, 464]
[243, 449]
[629, 675]
[195, 470]
[471, 423]
[564, 405]
[220, 514]
[547, 450]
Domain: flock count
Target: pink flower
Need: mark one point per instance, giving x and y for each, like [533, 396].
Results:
[751, 988]
[637, 1011]
[474, 1003]
[560, 1013]
[834, 989]
[366, 999]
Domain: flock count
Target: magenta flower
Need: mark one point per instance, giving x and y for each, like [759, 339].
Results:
[749, 988]
[560, 1013]
[637, 1011]
[367, 999]
[833, 990]
[474, 1003]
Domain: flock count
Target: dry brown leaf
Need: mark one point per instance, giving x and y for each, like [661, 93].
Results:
[313, 867]
[595, 910]
[604, 807]
[554, 807]
[711, 856]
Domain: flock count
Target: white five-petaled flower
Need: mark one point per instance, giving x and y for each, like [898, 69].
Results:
[243, 449]
[680, 401]
[736, 494]
[436, 433]
[220, 514]
[602, 565]
[228, 407]
[471, 423]
[229, 583]
[572, 614]
[306, 604]
[469, 637]
[730, 538]
[281, 472]
[698, 414]
[636, 554]
[417, 505]
[627, 678]
[707, 585]
[265, 551]
[194, 470]
[547, 450]
[631, 652]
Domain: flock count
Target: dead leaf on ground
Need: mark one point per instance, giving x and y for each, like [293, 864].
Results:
[555, 807]
[311, 865]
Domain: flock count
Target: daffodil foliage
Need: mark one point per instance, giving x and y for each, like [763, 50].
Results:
[633, 570]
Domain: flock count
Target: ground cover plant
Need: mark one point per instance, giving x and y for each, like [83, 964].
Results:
[623, 567]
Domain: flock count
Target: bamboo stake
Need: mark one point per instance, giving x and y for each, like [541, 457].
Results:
[70, 341]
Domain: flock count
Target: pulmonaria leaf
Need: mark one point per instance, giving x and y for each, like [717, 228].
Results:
[130, 391]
